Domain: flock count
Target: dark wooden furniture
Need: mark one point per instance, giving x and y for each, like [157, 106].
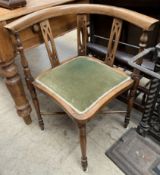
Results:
[150, 122]
[11, 4]
[129, 39]
[30, 38]
[81, 85]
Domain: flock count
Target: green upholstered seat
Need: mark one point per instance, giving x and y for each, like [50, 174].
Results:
[81, 82]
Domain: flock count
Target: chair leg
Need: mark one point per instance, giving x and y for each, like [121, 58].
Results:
[83, 144]
[129, 108]
[132, 95]
[35, 103]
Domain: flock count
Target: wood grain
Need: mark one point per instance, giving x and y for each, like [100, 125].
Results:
[32, 6]
[49, 43]
[44, 19]
[137, 19]
[7, 50]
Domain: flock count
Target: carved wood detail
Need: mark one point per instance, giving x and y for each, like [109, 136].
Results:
[49, 42]
[29, 79]
[142, 45]
[82, 34]
[113, 41]
[14, 85]
[136, 78]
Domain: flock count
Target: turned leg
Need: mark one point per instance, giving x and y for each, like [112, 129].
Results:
[16, 90]
[136, 77]
[29, 80]
[131, 98]
[129, 108]
[36, 105]
[83, 143]
[35, 102]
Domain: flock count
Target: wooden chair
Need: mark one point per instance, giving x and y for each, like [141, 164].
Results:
[81, 85]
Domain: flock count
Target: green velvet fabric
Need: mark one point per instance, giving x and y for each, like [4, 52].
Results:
[81, 81]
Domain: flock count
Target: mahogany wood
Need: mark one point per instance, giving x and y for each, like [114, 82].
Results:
[44, 17]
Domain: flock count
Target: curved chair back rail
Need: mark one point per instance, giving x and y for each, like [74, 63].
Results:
[137, 19]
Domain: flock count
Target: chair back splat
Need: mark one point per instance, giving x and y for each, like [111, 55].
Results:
[49, 43]
[82, 34]
[113, 41]
[82, 85]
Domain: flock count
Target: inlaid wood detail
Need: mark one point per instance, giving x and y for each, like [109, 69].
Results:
[82, 34]
[113, 41]
[49, 42]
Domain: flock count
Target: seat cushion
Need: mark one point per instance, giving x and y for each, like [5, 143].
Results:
[81, 82]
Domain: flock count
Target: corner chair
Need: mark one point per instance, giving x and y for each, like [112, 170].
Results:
[81, 85]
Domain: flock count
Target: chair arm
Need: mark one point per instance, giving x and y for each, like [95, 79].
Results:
[132, 62]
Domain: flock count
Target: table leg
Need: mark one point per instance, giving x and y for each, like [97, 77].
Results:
[15, 87]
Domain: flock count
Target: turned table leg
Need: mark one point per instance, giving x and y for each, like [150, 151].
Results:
[15, 87]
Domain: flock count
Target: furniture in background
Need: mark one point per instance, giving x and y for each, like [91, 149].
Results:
[129, 39]
[30, 38]
[11, 4]
[150, 122]
[81, 85]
